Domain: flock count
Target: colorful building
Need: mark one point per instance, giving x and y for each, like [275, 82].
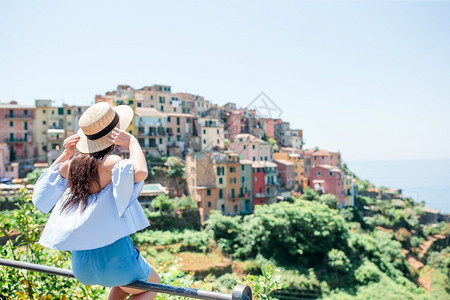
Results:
[17, 130]
[233, 182]
[300, 173]
[286, 173]
[324, 157]
[328, 179]
[8, 169]
[151, 127]
[251, 148]
[246, 186]
[211, 133]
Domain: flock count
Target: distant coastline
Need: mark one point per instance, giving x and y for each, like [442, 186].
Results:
[422, 180]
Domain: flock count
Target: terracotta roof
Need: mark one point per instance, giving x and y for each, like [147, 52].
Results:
[264, 164]
[430, 210]
[248, 137]
[169, 114]
[149, 112]
[330, 167]
[324, 153]
[284, 162]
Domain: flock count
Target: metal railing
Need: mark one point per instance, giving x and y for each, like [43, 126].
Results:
[240, 292]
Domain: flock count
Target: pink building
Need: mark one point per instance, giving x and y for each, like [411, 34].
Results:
[286, 172]
[251, 148]
[328, 179]
[7, 169]
[234, 123]
[324, 157]
[16, 130]
[269, 127]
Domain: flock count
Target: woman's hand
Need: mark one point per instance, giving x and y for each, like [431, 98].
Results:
[70, 144]
[119, 137]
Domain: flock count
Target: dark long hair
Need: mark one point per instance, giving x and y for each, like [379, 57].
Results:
[83, 177]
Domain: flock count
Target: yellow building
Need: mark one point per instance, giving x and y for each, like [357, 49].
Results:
[52, 125]
[301, 180]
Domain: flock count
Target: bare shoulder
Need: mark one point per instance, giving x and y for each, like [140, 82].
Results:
[110, 161]
[64, 169]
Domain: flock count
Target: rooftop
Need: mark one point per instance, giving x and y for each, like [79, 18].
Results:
[330, 167]
[284, 162]
[148, 112]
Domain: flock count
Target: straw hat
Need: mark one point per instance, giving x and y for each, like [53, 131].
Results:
[97, 121]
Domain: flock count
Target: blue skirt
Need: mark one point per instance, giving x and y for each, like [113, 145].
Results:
[119, 263]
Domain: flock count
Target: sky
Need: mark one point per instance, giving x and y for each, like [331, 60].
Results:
[370, 79]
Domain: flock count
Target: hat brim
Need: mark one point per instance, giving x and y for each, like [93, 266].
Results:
[85, 145]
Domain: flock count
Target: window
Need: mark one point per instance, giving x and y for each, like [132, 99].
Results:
[160, 141]
[25, 112]
[25, 125]
[265, 158]
[162, 109]
[11, 124]
[204, 131]
[60, 111]
[209, 203]
[218, 142]
[220, 180]
[178, 121]
[254, 158]
[178, 129]
[208, 192]
[43, 122]
[168, 119]
[319, 173]
[331, 174]
[204, 141]
[243, 179]
[261, 158]
[232, 193]
[69, 112]
[217, 131]
[242, 168]
[220, 194]
[139, 104]
[245, 147]
[253, 146]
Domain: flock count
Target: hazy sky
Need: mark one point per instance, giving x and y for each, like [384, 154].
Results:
[368, 78]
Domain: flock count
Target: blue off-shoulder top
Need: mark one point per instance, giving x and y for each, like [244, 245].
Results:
[111, 214]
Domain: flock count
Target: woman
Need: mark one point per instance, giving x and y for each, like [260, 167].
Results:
[93, 194]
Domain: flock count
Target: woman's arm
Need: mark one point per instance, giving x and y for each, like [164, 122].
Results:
[69, 145]
[122, 138]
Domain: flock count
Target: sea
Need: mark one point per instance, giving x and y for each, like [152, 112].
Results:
[422, 180]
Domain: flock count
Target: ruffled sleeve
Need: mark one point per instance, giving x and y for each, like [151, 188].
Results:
[125, 190]
[48, 189]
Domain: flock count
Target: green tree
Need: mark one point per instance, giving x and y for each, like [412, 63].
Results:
[309, 195]
[330, 200]
[274, 145]
[33, 176]
[163, 204]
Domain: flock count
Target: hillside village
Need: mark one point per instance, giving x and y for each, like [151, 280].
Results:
[234, 157]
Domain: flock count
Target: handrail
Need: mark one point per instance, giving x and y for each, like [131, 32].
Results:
[240, 292]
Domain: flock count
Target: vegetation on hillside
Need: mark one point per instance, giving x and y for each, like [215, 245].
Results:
[304, 248]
